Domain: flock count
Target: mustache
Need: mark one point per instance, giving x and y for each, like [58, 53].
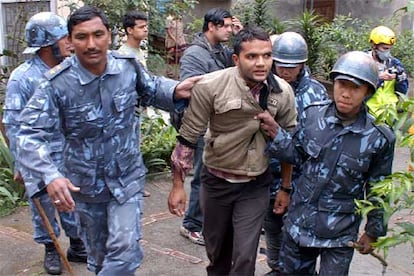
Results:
[95, 51]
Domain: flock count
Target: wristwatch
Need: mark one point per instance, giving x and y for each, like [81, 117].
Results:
[286, 189]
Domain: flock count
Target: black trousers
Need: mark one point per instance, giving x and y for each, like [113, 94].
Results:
[233, 218]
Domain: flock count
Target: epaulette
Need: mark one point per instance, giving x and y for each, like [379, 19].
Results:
[386, 131]
[123, 54]
[52, 73]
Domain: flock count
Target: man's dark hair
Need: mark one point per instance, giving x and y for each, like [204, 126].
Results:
[248, 34]
[86, 13]
[215, 16]
[128, 20]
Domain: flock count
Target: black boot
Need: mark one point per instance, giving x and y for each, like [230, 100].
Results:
[76, 252]
[52, 262]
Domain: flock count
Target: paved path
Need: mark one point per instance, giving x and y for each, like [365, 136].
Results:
[166, 252]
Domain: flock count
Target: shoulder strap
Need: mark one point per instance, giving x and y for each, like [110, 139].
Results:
[52, 73]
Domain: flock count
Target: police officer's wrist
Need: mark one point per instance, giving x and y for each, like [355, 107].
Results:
[287, 190]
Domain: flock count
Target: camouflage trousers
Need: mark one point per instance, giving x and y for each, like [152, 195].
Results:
[111, 232]
[69, 221]
[298, 260]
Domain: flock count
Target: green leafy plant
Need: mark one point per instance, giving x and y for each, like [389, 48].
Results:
[335, 38]
[404, 50]
[11, 192]
[158, 141]
[395, 193]
[258, 14]
[308, 26]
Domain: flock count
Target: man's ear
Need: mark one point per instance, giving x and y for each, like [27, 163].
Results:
[235, 59]
[128, 30]
[211, 26]
[110, 37]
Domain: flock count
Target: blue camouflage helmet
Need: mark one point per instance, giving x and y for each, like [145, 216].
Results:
[44, 29]
[356, 66]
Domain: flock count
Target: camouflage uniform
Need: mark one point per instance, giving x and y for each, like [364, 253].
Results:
[337, 163]
[307, 91]
[96, 114]
[20, 87]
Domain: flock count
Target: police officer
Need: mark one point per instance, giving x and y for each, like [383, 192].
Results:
[91, 97]
[392, 75]
[46, 38]
[290, 53]
[340, 151]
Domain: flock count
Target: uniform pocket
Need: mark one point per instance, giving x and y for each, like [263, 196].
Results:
[336, 218]
[124, 99]
[82, 174]
[83, 120]
[353, 167]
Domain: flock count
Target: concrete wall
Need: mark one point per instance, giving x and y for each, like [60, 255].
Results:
[204, 6]
[375, 10]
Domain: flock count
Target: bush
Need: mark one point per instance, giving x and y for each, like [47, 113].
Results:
[404, 50]
[11, 192]
[395, 192]
[343, 34]
[158, 141]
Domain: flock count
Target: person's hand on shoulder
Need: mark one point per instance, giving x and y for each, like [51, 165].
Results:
[183, 89]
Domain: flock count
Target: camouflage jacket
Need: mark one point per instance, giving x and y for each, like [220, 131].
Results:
[337, 164]
[96, 114]
[307, 91]
[21, 85]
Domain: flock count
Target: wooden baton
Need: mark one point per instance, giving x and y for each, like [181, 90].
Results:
[53, 236]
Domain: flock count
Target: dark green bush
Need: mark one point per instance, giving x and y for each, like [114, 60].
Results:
[157, 142]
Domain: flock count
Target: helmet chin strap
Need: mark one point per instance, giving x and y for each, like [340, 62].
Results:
[56, 53]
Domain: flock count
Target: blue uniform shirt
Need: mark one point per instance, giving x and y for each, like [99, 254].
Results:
[96, 115]
[337, 164]
[307, 91]
[20, 87]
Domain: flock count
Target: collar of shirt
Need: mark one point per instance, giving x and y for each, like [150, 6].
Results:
[86, 77]
[358, 126]
[255, 90]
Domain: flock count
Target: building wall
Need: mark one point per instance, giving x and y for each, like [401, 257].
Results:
[205, 5]
[375, 10]
[13, 17]
[364, 9]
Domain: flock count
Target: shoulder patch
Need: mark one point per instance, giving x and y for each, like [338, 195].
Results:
[52, 73]
[123, 54]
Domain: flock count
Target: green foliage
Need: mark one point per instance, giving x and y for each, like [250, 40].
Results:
[277, 27]
[404, 50]
[158, 141]
[114, 10]
[343, 34]
[308, 26]
[178, 8]
[395, 193]
[258, 15]
[11, 192]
